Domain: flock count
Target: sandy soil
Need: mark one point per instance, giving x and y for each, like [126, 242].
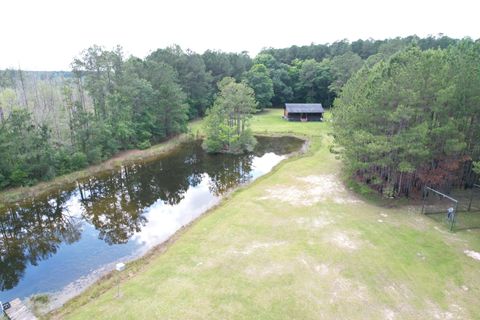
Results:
[311, 190]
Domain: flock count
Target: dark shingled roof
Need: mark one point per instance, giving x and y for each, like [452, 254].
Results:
[304, 107]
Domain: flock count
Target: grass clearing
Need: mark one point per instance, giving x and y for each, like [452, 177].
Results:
[306, 256]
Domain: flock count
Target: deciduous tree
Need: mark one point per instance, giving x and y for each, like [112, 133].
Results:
[258, 78]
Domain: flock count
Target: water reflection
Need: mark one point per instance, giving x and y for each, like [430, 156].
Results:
[32, 232]
[165, 219]
[130, 209]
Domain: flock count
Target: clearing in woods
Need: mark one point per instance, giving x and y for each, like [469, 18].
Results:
[298, 244]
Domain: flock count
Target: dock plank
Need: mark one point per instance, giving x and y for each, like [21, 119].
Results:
[19, 311]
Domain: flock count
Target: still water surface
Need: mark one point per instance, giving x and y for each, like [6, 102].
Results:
[63, 241]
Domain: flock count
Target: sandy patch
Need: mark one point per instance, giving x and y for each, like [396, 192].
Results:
[274, 269]
[449, 235]
[258, 246]
[399, 292]
[291, 195]
[472, 254]
[389, 314]
[328, 182]
[328, 186]
[346, 290]
[312, 189]
[440, 230]
[322, 269]
[413, 209]
[403, 309]
[267, 270]
[343, 241]
[313, 222]
[454, 311]
[421, 256]
[336, 287]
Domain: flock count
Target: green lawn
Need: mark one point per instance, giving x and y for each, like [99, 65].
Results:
[297, 244]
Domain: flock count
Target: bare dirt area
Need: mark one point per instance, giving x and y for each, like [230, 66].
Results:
[343, 240]
[311, 190]
[254, 247]
[473, 254]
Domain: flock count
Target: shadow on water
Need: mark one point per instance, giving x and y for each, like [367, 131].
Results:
[94, 222]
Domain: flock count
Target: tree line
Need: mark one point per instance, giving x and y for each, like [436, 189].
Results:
[55, 123]
[413, 120]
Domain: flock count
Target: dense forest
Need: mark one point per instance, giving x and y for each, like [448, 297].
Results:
[413, 120]
[52, 123]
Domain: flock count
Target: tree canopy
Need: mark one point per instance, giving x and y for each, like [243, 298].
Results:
[413, 119]
[109, 102]
[226, 124]
[258, 78]
[192, 74]
[106, 105]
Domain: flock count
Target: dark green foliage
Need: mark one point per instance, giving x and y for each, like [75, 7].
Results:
[140, 102]
[258, 78]
[111, 105]
[226, 125]
[52, 123]
[26, 152]
[193, 77]
[335, 64]
[413, 120]
[221, 64]
[314, 81]
[144, 145]
[364, 48]
[342, 68]
[279, 73]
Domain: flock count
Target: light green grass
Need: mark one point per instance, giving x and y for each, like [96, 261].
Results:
[319, 252]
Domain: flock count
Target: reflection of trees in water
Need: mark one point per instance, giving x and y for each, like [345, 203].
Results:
[279, 145]
[32, 231]
[112, 202]
[227, 171]
[112, 207]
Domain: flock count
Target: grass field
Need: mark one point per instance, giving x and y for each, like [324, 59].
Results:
[297, 244]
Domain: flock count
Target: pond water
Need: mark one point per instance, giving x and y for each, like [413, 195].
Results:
[63, 241]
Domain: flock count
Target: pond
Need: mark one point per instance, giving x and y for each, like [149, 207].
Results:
[63, 241]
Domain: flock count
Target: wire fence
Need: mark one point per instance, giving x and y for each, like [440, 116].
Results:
[459, 209]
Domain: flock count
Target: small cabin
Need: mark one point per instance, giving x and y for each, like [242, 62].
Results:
[303, 112]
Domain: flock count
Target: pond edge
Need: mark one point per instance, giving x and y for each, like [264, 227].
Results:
[137, 265]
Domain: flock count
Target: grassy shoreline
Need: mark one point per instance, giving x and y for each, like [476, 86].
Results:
[296, 243]
[109, 281]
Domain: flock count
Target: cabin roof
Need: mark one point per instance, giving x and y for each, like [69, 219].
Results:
[304, 107]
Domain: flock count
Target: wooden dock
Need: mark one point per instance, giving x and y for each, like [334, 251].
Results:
[19, 311]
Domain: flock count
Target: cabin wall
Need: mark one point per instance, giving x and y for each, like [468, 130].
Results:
[298, 116]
